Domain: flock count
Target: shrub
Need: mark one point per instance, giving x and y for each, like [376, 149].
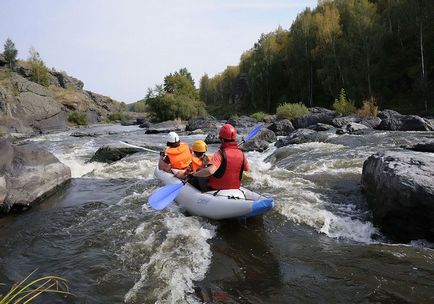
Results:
[40, 72]
[369, 109]
[170, 106]
[344, 106]
[78, 118]
[259, 116]
[292, 110]
[117, 116]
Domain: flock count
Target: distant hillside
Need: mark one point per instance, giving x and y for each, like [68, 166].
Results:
[29, 107]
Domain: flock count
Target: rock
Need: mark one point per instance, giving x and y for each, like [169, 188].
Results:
[145, 125]
[370, 122]
[166, 127]
[355, 127]
[207, 123]
[141, 120]
[281, 127]
[113, 152]
[423, 147]
[3, 60]
[260, 142]
[131, 122]
[394, 121]
[195, 132]
[300, 136]
[319, 127]
[400, 189]
[319, 115]
[83, 134]
[269, 118]
[30, 174]
[212, 138]
[242, 122]
[66, 81]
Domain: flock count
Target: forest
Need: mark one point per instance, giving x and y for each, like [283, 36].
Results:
[376, 50]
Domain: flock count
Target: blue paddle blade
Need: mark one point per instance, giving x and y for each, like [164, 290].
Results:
[253, 132]
[162, 198]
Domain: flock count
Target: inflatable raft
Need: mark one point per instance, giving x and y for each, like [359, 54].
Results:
[223, 204]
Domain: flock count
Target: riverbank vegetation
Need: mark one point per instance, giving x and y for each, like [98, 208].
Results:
[376, 50]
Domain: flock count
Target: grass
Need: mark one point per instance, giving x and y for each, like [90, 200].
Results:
[292, 110]
[259, 116]
[369, 109]
[27, 290]
[77, 118]
[6, 81]
[116, 117]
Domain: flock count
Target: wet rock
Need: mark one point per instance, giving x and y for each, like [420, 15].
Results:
[260, 142]
[423, 147]
[400, 189]
[320, 127]
[207, 123]
[28, 174]
[195, 132]
[113, 152]
[394, 121]
[282, 127]
[300, 136]
[212, 138]
[83, 134]
[166, 127]
[340, 122]
[318, 115]
[371, 122]
[354, 127]
[244, 122]
[131, 122]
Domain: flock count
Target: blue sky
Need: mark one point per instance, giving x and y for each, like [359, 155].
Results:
[119, 48]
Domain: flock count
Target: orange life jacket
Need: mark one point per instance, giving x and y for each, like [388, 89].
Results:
[179, 157]
[230, 172]
[198, 163]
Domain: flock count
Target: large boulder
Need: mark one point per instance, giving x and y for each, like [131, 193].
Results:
[166, 127]
[282, 127]
[423, 147]
[370, 122]
[318, 115]
[394, 121]
[300, 136]
[113, 152]
[260, 142]
[205, 123]
[212, 138]
[67, 82]
[400, 189]
[3, 60]
[242, 122]
[28, 175]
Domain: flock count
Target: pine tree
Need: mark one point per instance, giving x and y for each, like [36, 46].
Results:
[10, 52]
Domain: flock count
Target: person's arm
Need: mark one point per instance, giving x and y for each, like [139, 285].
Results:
[246, 164]
[205, 172]
[164, 163]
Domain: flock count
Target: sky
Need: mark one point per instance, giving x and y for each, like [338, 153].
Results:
[119, 48]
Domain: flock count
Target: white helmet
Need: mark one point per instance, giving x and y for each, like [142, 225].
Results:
[172, 138]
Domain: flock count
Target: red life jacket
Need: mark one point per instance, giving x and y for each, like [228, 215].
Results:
[230, 172]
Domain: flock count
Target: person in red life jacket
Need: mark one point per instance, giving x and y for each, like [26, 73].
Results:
[226, 168]
[176, 156]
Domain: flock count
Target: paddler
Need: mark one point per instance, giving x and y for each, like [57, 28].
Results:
[200, 159]
[177, 156]
[226, 168]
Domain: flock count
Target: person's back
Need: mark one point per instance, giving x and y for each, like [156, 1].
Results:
[226, 168]
[176, 156]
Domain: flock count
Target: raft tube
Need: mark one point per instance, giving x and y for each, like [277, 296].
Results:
[224, 204]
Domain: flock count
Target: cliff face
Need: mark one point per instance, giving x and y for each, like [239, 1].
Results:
[28, 107]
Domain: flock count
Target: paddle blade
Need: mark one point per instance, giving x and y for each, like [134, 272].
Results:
[162, 198]
[253, 132]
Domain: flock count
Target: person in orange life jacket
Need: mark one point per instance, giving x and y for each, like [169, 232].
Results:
[176, 156]
[200, 160]
[226, 168]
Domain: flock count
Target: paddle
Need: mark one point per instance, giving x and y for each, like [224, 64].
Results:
[138, 147]
[164, 196]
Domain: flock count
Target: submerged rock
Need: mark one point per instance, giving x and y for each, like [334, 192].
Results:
[28, 174]
[400, 189]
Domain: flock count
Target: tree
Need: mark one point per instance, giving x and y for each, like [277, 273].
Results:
[39, 70]
[10, 53]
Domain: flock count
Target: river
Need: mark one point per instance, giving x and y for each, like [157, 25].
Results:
[317, 246]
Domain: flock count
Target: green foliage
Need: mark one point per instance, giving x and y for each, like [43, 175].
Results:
[139, 106]
[369, 109]
[259, 116]
[292, 110]
[78, 118]
[344, 106]
[387, 41]
[123, 106]
[40, 73]
[180, 83]
[170, 106]
[117, 116]
[28, 290]
[10, 53]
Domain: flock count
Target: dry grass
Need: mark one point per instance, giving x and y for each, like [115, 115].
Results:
[369, 109]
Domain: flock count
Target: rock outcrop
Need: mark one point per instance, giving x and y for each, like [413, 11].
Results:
[400, 189]
[204, 123]
[300, 136]
[166, 127]
[370, 122]
[242, 122]
[318, 115]
[260, 142]
[113, 152]
[27, 175]
[212, 138]
[394, 121]
[282, 127]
